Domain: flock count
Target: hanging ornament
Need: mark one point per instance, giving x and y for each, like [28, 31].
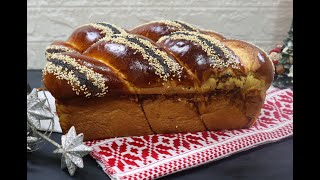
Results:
[283, 61]
[72, 148]
[30, 141]
[36, 110]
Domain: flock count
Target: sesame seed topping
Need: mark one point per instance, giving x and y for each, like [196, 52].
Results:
[64, 73]
[186, 26]
[57, 49]
[180, 25]
[108, 29]
[221, 57]
[164, 66]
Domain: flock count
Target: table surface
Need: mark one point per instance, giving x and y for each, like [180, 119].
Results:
[270, 161]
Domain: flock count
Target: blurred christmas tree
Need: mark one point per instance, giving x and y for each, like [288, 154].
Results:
[284, 67]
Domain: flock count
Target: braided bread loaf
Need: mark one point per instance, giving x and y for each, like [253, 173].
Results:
[160, 77]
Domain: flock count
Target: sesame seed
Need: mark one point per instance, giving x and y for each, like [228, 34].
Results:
[60, 48]
[198, 38]
[174, 68]
[63, 73]
[180, 25]
[107, 31]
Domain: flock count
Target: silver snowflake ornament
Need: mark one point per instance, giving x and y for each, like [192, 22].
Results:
[36, 110]
[72, 150]
[30, 141]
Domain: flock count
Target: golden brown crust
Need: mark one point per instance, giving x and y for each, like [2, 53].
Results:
[181, 62]
[178, 113]
[213, 34]
[154, 30]
[131, 115]
[231, 110]
[60, 47]
[101, 118]
[69, 75]
[204, 56]
[86, 35]
[254, 60]
[133, 62]
[160, 77]
[55, 85]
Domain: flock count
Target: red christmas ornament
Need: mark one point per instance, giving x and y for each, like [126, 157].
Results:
[275, 62]
[277, 49]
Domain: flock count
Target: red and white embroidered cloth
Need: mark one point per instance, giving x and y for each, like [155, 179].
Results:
[154, 156]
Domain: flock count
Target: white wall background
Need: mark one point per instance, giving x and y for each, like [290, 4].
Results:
[262, 22]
